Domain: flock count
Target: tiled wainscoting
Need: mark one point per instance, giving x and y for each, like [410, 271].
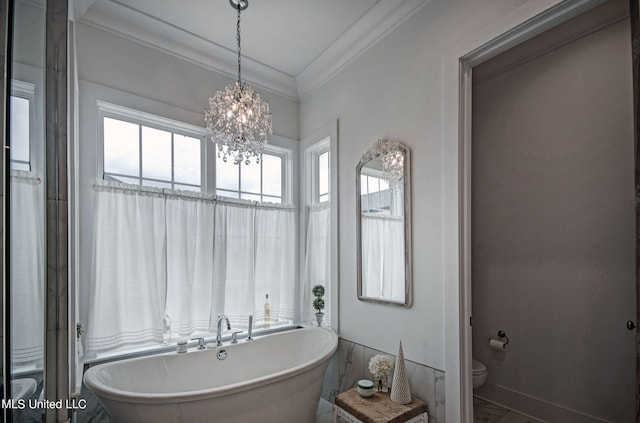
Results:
[351, 363]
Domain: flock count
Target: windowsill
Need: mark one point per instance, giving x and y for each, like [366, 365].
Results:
[20, 371]
[161, 349]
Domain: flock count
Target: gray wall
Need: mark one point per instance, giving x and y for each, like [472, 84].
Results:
[553, 223]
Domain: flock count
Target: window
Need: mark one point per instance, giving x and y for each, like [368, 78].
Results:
[317, 169]
[20, 144]
[143, 149]
[375, 194]
[22, 98]
[146, 150]
[263, 182]
[210, 255]
[323, 166]
[316, 237]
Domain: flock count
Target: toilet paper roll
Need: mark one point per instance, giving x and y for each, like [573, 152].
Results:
[495, 344]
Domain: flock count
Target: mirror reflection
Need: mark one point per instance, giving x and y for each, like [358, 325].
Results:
[26, 204]
[384, 268]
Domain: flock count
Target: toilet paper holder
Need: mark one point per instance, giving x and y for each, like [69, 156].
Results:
[502, 334]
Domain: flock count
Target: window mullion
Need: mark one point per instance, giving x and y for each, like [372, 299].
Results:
[283, 179]
[140, 154]
[172, 161]
[240, 180]
[329, 176]
[261, 187]
[316, 179]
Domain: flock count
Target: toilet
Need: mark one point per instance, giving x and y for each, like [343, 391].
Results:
[479, 373]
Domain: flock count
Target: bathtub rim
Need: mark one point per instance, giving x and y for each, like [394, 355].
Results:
[101, 390]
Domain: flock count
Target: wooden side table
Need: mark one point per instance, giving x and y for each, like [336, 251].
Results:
[379, 408]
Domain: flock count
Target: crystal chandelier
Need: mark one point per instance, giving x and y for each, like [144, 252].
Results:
[238, 120]
[393, 168]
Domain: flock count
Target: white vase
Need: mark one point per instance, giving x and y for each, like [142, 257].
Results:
[319, 318]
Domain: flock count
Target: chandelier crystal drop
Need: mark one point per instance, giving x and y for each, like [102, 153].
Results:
[238, 120]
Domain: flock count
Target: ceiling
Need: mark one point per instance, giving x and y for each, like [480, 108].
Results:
[290, 47]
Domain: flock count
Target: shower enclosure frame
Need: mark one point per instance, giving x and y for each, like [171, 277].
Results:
[57, 332]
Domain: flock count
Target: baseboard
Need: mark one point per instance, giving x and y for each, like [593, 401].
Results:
[533, 407]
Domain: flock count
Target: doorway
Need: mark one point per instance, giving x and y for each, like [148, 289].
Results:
[553, 221]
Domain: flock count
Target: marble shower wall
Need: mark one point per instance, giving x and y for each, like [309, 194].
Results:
[350, 363]
[57, 210]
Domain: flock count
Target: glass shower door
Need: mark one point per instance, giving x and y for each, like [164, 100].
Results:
[24, 204]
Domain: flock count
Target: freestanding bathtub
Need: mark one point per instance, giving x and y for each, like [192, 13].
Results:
[274, 378]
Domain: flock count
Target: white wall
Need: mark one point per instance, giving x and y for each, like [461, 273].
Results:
[406, 87]
[115, 62]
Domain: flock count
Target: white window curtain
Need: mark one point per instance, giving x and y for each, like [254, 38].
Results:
[27, 269]
[128, 290]
[317, 262]
[254, 257]
[211, 257]
[275, 261]
[234, 262]
[189, 228]
[383, 257]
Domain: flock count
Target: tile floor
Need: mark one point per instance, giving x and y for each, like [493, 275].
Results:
[486, 412]
[325, 412]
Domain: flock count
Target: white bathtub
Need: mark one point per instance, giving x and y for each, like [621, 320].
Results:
[274, 378]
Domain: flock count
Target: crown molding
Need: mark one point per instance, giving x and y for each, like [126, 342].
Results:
[369, 29]
[117, 18]
[131, 24]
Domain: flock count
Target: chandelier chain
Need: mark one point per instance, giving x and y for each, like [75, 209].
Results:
[238, 39]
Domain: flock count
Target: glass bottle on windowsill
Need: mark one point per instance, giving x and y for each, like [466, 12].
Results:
[166, 330]
[267, 312]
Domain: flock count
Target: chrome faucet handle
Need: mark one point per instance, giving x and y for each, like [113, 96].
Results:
[200, 340]
[234, 336]
[249, 337]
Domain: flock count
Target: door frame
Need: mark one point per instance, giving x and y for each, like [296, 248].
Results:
[634, 15]
[539, 23]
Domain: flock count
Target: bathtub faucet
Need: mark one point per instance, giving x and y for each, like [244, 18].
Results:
[219, 332]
